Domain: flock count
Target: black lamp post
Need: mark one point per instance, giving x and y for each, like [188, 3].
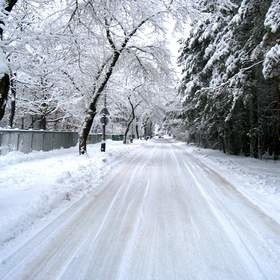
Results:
[104, 121]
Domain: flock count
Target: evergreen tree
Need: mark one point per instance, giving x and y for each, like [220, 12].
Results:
[230, 82]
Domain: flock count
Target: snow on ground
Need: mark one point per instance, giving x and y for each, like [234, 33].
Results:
[165, 211]
[35, 185]
[258, 180]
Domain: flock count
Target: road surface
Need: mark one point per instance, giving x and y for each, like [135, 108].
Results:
[161, 214]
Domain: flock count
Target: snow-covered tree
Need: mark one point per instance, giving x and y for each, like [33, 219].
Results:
[6, 7]
[44, 59]
[120, 31]
[229, 82]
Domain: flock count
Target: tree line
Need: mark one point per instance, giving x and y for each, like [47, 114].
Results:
[230, 83]
[58, 59]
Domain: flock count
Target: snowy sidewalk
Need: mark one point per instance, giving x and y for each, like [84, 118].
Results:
[34, 187]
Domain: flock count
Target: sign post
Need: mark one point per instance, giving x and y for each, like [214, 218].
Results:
[104, 121]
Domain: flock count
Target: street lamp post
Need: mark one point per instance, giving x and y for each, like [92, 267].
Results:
[104, 121]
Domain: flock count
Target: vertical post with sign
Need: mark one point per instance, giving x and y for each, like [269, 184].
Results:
[104, 121]
[103, 141]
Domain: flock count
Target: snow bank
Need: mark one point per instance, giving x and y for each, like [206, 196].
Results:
[33, 185]
[258, 180]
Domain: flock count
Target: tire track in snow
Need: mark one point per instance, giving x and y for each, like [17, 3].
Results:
[160, 215]
[128, 212]
[223, 222]
[230, 230]
[247, 235]
[44, 242]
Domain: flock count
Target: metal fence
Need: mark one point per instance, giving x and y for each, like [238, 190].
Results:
[27, 141]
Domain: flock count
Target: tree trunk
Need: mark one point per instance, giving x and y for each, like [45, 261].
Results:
[12, 113]
[31, 126]
[125, 135]
[83, 136]
[87, 124]
[127, 130]
[137, 131]
[132, 118]
[55, 124]
[91, 112]
[260, 130]
[260, 121]
[43, 122]
[253, 119]
[13, 102]
[5, 80]
[22, 123]
[4, 90]
[276, 138]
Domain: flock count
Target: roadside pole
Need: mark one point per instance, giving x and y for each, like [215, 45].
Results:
[104, 121]
[103, 141]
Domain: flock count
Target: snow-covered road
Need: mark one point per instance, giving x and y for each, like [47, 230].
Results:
[160, 214]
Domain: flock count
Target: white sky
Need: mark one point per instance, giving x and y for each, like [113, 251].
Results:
[172, 36]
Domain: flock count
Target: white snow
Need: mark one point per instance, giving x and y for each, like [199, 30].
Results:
[271, 65]
[272, 20]
[258, 180]
[165, 211]
[33, 185]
